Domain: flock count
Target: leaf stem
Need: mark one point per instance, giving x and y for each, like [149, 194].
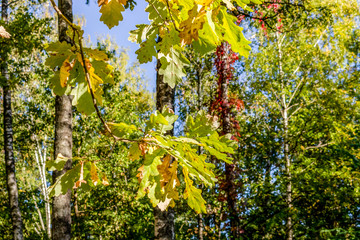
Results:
[87, 75]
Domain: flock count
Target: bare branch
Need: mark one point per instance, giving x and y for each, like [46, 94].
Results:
[320, 145]
[304, 57]
[295, 91]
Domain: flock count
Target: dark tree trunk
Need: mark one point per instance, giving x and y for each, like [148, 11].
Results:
[165, 95]
[10, 166]
[61, 212]
[199, 103]
[8, 145]
[225, 74]
[164, 220]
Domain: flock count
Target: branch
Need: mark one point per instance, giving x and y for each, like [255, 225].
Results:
[87, 75]
[164, 20]
[172, 19]
[304, 57]
[307, 167]
[296, 89]
[320, 145]
[39, 213]
[300, 107]
[60, 14]
[11, 2]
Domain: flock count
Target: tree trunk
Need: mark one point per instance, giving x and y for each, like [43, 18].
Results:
[201, 227]
[8, 144]
[164, 220]
[224, 74]
[61, 212]
[289, 225]
[10, 166]
[199, 105]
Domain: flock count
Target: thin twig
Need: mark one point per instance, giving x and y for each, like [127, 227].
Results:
[87, 75]
[320, 145]
[304, 57]
[172, 19]
[156, 11]
[60, 14]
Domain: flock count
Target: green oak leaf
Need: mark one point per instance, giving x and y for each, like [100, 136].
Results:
[193, 195]
[134, 152]
[96, 54]
[57, 164]
[207, 42]
[233, 34]
[122, 130]
[172, 66]
[65, 182]
[111, 13]
[82, 99]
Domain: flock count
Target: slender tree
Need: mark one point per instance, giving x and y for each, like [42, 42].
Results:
[40, 158]
[61, 212]
[164, 220]
[8, 141]
[223, 64]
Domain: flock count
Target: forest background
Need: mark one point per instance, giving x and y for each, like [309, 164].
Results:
[291, 108]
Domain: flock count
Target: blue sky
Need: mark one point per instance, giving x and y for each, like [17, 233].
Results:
[119, 33]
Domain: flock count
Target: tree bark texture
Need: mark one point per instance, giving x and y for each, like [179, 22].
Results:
[224, 75]
[201, 227]
[10, 166]
[61, 212]
[8, 144]
[165, 95]
[164, 220]
[289, 224]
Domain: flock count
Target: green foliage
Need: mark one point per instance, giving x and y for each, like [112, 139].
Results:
[172, 66]
[162, 155]
[28, 35]
[166, 41]
[57, 164]
[84, 175]
[203, 24]
[145, 161]
[296, 73]
[112, 211]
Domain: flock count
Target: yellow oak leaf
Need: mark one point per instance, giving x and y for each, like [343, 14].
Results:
[169, 182]
[102, 2]
[190, 27]
[163, 169]
[170, 188]
[65, 72]
[111, 12]
[123, 2]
